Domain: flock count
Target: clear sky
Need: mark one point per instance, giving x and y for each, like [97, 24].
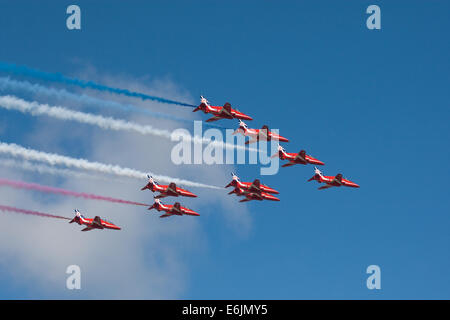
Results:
[372, 104]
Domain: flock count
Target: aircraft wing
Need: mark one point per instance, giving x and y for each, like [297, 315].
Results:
[255, 186]
[337, 179]
[251, 141]
[258, 195]
[254, 194]
[177, 208]
[214, 119]
[264, 132]
[263, 135]
[165, 215]
[226, 110]
[171, 189]
[301, 156]
[97, 222]
[325, 187]
[290, 163]
[87, 229]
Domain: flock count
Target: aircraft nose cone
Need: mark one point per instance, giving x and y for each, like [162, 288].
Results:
[273, 198]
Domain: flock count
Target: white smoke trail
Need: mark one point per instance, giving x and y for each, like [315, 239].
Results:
[44, 169]
[13, 103]
[15, 150]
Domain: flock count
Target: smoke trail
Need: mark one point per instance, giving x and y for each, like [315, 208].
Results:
[44, 169]
[55, 159]
[8, 84]
[46, 189]
[58, 77]
[34, 213]
[13, 103]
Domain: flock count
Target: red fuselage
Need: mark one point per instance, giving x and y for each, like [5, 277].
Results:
[174, 209]
[260, 134]
[299, 158]
[92, 223]
[247, 186]
[170, 190]
[334, 181]
[249, 195]
[225, 112]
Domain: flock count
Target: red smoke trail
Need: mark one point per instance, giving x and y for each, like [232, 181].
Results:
[34, 186]
[35, 213]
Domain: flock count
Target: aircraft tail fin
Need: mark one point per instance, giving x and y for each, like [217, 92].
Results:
[317, 175]
[203, 104]
[232, 183]
[177, 208]
[280, 153]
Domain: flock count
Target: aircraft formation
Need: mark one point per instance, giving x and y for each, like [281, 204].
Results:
[248, 191]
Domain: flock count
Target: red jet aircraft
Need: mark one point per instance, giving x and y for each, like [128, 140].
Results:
[175, 209]
[296, 158]
[253, 195]
[96, 223]
[165, 191]
[250, 186]
[225, 112]
[331, 181]
[258, 134]
[251, 190]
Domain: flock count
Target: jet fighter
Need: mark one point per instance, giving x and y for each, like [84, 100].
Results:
[331, 181]
[253, 195]
[165, 191]
[170, 210]
[96, 223]
[296, 158]
[251, 190]
[256, 185]
[225, 112]
[255, 135]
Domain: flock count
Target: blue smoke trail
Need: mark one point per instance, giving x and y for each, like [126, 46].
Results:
[58, 77]
[9, 84]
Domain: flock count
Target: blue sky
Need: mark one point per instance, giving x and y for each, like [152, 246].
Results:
[372, 104]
